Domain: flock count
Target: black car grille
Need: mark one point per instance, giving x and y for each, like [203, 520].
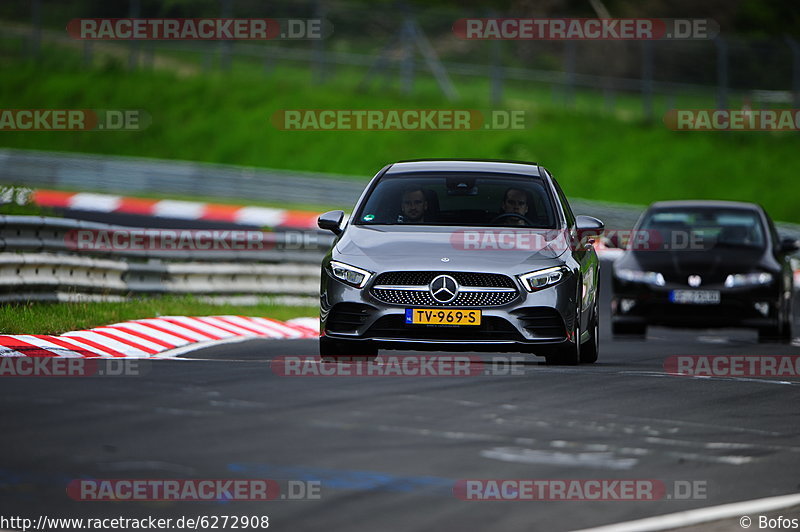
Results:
[347, 317]
[473, 298]
[542, 322]
[463, 299]
[492, 280]
[491, 328]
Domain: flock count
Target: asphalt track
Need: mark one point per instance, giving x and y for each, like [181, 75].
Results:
[388, 450]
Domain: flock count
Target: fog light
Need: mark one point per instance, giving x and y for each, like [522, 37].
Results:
[763, 308]
[626, 305]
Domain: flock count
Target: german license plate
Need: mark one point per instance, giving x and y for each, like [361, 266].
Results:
[438, 316]
[695, 297]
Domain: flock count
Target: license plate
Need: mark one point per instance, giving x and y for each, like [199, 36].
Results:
[695, 297]
[438, 316]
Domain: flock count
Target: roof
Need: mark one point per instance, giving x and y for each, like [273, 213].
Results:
[465, 165]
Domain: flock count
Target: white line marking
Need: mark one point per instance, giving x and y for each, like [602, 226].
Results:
[202, 345]
[701, 515]
[536, 456]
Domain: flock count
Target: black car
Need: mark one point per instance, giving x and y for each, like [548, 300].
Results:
[704, 264]
[461, 256]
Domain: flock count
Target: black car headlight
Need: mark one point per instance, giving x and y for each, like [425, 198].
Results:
[747, 279]
[539, 279]
[638, 276]
[350, 274]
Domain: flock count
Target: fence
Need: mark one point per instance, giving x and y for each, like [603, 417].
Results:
[137, 175]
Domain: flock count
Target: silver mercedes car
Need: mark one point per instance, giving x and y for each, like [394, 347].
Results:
[461, 255]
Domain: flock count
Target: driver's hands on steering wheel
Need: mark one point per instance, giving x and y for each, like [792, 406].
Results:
[511, 215]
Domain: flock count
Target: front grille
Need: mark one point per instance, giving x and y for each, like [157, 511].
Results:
[542, 322]
[463, 299]
[492, 280]
[491, 328]
[347, 317]
[472, 280]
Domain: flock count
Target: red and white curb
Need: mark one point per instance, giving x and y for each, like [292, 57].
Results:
[153, 337]
[184, 210]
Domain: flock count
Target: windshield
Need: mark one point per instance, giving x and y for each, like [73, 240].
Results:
[707, 227]
[459, 200]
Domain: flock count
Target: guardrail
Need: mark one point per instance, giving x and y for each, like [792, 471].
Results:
[136, 174]
[39, 261]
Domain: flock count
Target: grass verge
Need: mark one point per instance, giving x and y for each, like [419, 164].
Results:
[57, 318]
[225, 118]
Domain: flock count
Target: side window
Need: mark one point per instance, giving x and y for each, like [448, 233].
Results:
[564, 204]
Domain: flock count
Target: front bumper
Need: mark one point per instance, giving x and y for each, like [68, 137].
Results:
[538, 322]
[640, 303]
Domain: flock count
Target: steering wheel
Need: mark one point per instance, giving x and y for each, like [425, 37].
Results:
[510, 215]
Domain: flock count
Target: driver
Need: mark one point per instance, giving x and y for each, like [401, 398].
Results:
[515, 201]
[413, 206]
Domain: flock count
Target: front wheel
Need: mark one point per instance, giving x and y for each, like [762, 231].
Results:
[591, 349]
[570, 353]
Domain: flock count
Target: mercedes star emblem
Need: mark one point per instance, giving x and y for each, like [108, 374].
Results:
[443, 288]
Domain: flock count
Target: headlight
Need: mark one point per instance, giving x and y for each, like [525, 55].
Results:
[637, 276]
[350, 274]
[543, 278]
[747, 279]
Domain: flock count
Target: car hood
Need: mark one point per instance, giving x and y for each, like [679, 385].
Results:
[424, 248]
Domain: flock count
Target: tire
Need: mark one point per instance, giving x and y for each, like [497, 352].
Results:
[569, 354]
[782, 331]
[628, 329]
[787, 334]
[346, 351]
[591, 349]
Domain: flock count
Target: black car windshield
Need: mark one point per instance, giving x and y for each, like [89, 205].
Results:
[706, 227]
[459, 200]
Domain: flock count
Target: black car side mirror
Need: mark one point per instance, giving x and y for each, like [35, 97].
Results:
[788, 245]
[588, 228]
[331, 221]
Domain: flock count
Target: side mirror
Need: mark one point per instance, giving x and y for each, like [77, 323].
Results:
[331, 221]
[589, 228]
[788, 245]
